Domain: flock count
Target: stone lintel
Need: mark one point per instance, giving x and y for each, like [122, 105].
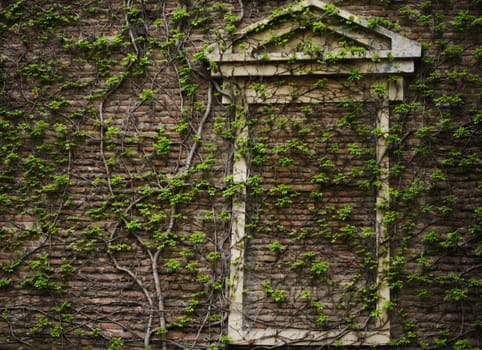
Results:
[266, 69]
[332, 91]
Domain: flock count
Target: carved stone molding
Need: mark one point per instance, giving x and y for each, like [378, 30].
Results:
[290, 46]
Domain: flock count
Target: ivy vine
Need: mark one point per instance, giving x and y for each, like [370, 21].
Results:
[116, 182]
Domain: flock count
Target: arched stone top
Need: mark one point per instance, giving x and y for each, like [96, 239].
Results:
[312, 37]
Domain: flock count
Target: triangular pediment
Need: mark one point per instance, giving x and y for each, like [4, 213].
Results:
[311, 35]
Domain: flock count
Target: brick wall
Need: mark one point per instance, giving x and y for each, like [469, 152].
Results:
[115, 199]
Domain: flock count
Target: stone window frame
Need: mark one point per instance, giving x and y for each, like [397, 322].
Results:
[238, 67]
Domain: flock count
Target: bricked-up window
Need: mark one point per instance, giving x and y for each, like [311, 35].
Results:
[309, 245]
[310, 215]
[309, 240]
